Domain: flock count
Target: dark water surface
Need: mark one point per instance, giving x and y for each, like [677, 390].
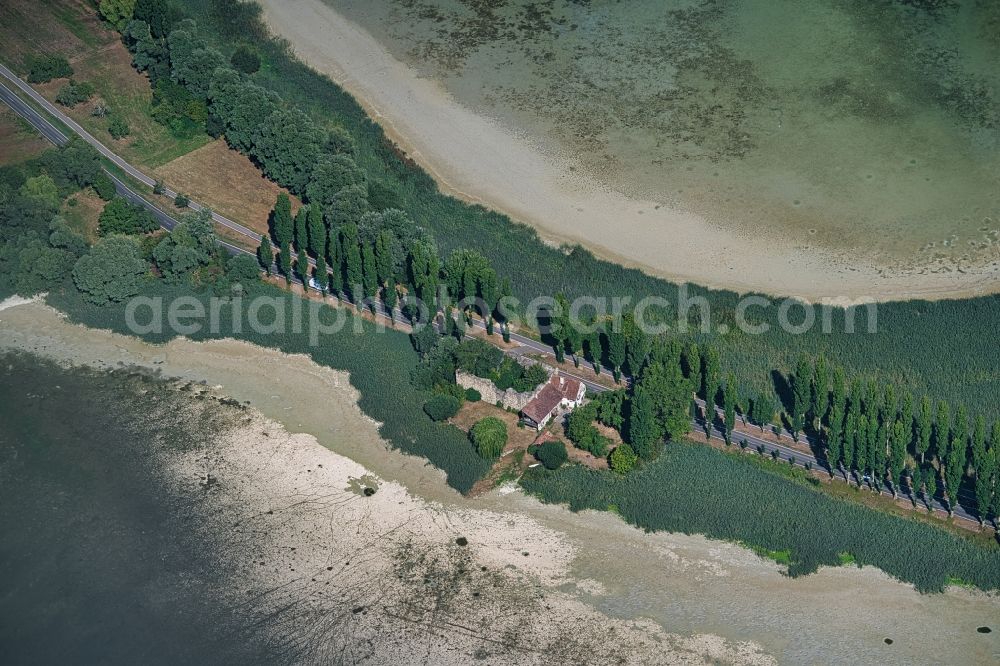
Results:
[100, 558]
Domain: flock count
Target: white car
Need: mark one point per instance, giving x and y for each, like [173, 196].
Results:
[313, 284]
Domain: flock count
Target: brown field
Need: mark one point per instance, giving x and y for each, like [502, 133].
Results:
[67, 27]
[82, 215]
[227, 181]
[18, 140]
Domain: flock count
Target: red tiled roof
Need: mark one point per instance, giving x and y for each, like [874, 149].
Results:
[557, 389]
[543, 403]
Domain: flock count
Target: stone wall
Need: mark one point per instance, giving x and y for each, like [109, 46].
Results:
[509, 399]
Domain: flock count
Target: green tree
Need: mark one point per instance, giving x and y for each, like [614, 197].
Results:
[990, 482]
[391, 298]
[384, 264]
[316, 231]
[117, 12]
[287, 145]
[861, 451]
[623, 459]
[424, 269]
[335, 256]
[692, 365]
[660, 401]
[369, 271]
[838, 390]
[560, 326]
[352, 262]
[281, 220]
[104, 187]
[490, 436]
[44, 68]
[74, 93]
[265, 255]
[643, 432]
[930, 485]
[616, 348]
[984, 460]
[192, 63]
[331, 176]
[954, 469]
[302, 267]
[322, 275]
[762, 409]
[118, 128]
[301, 226]
[820, 389]
[120, 217]
[552, 454]
[925, 425]
[637, 345]
[285, 262]
[442, 407]
[729, 407]
[898, 440]
[243, 270]
[159, 14]
[942, 431]
[489, 291]
[111, 272]
[834, 437]
[42, 189]
[190, 247]
[801, 381]
[242, 106]
[710, 372]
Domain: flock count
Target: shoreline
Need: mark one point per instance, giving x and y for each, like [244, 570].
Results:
[680, 584]
[479, 161]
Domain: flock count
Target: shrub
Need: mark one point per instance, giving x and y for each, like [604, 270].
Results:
[104, 186]
[489, 436]
[72, 93]
[121, 217]
[118, 128]
[158, 187]
[442, 407]
[181, 200]
[245, 59]
[552, 454]
[623, 459]
[581, 430]
[43, 69]
[472, 395]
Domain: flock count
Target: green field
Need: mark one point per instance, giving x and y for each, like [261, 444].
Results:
[695, 489]
[379, 364]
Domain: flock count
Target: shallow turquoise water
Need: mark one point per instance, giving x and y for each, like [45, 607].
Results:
[854, 124]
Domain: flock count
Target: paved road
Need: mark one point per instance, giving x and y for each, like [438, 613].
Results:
[110, 155]
[56, 136]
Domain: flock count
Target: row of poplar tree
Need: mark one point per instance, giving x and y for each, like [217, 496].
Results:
[866, 430]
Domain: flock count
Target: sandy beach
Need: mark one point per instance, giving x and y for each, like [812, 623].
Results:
[479, 160]
[289, 493]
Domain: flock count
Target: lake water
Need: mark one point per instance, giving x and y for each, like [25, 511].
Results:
[101, 560]
[860, 126]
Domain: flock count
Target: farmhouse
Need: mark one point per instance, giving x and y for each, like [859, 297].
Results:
[559, 393]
